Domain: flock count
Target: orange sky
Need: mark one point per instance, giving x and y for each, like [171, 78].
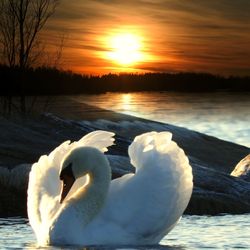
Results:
[175, 35]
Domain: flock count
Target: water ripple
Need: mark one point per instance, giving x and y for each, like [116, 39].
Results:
[193, 232]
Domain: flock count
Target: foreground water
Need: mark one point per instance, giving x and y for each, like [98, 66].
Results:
[192, 232]
[224, 115]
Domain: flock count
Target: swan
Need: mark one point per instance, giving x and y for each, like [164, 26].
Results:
[90, 209]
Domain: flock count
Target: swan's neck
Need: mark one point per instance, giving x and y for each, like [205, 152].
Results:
[90, 199]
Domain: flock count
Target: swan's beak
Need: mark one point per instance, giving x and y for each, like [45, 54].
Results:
[67, 182]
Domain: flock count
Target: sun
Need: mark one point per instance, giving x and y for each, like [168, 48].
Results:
[125, 49]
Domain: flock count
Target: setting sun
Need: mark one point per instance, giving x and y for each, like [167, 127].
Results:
[125, 49]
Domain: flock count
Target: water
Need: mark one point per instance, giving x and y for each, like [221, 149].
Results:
[224, 115]
[192, 232]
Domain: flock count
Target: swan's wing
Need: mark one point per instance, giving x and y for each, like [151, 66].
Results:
[149, 203]
[99, 139]
[44, 184]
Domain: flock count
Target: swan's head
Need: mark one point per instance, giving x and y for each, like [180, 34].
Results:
[77, 163]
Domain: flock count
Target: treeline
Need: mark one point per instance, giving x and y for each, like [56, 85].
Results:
[51, 81]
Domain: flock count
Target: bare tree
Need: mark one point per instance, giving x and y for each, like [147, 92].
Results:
[54, 58]
[20, 23]
[8, 29]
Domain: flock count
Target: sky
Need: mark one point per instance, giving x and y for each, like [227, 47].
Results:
[168, 35]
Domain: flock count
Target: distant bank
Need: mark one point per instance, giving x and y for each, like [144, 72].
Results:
[51, 81]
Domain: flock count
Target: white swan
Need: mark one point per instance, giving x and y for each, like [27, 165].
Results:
[138, 208]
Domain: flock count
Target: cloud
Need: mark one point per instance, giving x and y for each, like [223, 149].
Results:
[187, 34]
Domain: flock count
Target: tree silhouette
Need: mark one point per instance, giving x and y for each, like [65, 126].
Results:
[21, 22]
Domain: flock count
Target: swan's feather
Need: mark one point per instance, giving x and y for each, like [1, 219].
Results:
[44, 184]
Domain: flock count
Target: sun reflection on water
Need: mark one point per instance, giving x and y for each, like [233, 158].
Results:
[126, 101]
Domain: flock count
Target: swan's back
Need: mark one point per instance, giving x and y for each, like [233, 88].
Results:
[44, 183]
[142, 208]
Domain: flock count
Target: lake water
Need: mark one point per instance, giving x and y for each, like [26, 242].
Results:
[192, 232]
[224, 115]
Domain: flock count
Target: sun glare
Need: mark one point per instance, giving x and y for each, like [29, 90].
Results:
[125, 49]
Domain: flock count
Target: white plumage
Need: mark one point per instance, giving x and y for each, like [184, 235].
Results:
[138, 208]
